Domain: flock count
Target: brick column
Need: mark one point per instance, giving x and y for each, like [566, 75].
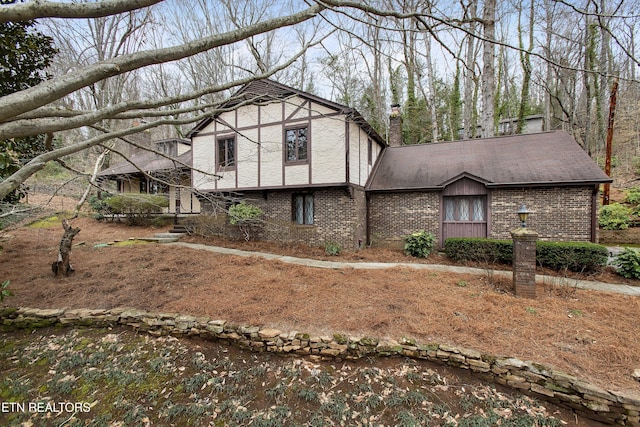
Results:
[524, 262]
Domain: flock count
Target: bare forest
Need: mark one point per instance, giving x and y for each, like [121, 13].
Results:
[117, 69]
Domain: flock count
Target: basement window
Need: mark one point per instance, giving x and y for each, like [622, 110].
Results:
[303, 209]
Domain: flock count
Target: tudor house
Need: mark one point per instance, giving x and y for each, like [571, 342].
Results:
[322, 174]
[165, 171]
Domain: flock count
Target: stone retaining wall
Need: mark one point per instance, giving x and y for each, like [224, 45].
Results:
[587, 400]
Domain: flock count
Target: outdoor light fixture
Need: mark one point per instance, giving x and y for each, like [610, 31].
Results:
[523, 213]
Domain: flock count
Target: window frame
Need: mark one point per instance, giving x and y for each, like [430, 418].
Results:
[471, 211]
[222, 150]
[297, 159]
[305, 197]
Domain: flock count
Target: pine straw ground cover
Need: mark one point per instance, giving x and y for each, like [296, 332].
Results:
[591, 335]
[117, 378]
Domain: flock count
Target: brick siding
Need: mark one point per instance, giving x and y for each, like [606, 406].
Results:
[557, 213]
[394, 215]
[337, 217]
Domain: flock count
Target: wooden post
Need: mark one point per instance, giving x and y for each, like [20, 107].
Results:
[524, 262]
[62, 265]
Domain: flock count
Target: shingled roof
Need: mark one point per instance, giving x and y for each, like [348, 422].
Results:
[541, 159]
[267, 90]
[148, 162]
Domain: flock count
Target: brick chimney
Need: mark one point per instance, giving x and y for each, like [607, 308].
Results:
[395, 126]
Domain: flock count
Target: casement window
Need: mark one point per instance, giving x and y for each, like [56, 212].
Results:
[370, 151]
[465, 208]
[303, 209]
[226, 152]
[297, 144]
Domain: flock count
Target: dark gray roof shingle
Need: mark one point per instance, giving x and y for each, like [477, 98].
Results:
[148, 162]
[548, 158]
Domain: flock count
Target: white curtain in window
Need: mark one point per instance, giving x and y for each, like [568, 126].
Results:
[449, 209]
[463, 209]
[308, 209]
[478, 209]
[299, 209]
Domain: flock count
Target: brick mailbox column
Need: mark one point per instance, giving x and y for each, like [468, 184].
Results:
[524, 262]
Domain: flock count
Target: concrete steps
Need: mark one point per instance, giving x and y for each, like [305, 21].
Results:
[164, 237]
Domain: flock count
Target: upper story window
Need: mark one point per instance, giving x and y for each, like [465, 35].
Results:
[369, 151]
[226, 152]
[297, 144]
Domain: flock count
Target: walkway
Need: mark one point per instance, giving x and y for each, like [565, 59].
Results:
[551, 280]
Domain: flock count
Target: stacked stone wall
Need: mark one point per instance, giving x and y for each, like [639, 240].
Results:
[590, 401]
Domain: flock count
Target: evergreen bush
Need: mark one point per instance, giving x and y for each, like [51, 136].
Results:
[419, 244]
[574, 256]
[615, 217]
[137, 208]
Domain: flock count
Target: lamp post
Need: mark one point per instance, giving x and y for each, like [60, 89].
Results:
[523, 214]
[524, 256]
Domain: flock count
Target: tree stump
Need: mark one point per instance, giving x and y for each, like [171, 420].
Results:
[62, 265]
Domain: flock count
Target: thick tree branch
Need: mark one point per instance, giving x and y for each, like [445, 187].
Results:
[47, 9]
[30, 124]
[51, 90]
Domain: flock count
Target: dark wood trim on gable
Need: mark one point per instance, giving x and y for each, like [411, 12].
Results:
[259, 143]
[347, 172]
[305, 103]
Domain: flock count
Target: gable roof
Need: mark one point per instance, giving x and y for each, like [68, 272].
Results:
[268, 90]
[540, 159]
[148, 161]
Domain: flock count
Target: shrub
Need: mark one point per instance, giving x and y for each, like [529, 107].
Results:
[479, 250]
[419, 244]
[245, 216]
[632, 196]
[243, 212]
[615, 217]
[574, 256]
[628, 264]
[137, 208]
[332, 248]
[100, 207]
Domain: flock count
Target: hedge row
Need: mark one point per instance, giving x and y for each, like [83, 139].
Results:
[574, 256]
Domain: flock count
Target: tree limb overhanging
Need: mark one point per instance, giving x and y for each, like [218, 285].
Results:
[46, 9]
[54, 89]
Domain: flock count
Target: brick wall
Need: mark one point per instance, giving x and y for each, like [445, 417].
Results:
[562, 213]
[338, 217]
[394, 215]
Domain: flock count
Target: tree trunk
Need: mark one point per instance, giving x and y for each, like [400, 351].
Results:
[488, 68]
[62, 265]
